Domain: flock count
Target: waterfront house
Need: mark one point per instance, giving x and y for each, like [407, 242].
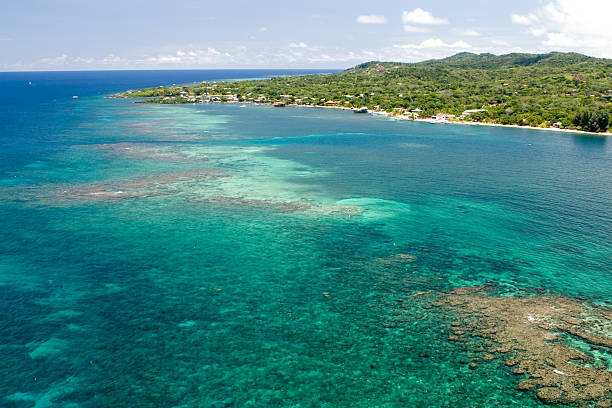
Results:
[443, 117]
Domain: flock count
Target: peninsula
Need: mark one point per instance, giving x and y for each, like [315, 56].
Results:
[554, 90]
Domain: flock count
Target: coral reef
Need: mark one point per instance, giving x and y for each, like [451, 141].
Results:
[114, 191]
[538, 336]
[272, 205]
[150, 151]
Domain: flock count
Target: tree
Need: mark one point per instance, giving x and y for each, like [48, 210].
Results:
[603, 121]
[592, 121]
[480, 116]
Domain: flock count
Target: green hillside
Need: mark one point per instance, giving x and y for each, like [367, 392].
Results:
[524, 89]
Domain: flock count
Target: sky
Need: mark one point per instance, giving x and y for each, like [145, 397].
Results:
[190, 34]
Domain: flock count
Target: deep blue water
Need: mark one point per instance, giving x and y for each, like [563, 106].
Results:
[37, 107]
[226, 256]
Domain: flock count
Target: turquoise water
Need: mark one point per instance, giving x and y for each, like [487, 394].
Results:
[227, 256]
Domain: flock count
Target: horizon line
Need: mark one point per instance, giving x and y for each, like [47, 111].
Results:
[310, 69]
[173, 69]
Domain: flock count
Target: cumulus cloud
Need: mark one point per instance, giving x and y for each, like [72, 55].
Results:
[372, 19]
[525, 19]
[435, 43]
[298, 45]
[208, 55]
[470, 33]
[112, 59]
[292, 54]
[428, 49]
[420, 16]
[568, 25]
[500, 42]
[65, 61]
[84, 60]
[62, 59]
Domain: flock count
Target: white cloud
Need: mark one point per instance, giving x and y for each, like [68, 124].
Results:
[524, 19]
[470, 33]
[263, 29]
[165, 59]
[112, 59]
[435, 43]
[500, 42]
[209, 55]
[428, 49]
[372, 19]
[536, 31]
[83, 60]
[62, 59]
[561, 40]
[293, 54]
[420, 16]
[67, 62]
[569, 25]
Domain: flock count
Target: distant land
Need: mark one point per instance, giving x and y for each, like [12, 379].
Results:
[554, 90]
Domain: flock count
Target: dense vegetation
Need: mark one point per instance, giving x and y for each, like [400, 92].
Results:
[524, 89]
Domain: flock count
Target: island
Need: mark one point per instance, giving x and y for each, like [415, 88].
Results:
[553, 90]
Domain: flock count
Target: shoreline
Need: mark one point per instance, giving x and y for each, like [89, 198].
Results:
[605, 134]
[407, 118]
[456, 122]
[435, 121]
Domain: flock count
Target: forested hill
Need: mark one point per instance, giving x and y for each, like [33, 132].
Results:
[468, 60]
[525, 89]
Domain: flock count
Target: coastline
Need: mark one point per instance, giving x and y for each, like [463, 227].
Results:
[512, 126]
[438, 122]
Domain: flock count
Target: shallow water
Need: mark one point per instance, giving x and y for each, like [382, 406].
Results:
[219, 256]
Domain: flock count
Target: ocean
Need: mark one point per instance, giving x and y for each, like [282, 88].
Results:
[215, 255]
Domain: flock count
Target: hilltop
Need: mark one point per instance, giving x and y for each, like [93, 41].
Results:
[468, 60]
[566, 90]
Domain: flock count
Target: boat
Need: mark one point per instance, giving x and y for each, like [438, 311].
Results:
[279, 104]
[361, 110]
[75, 97]
[243, 106]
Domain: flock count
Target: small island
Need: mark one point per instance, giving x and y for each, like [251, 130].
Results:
[555, 90]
